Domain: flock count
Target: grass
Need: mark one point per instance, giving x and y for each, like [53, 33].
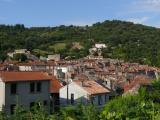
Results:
[57, 46]
[41, 52]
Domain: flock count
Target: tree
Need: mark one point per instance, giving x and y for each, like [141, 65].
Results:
[138, 107]
[20, 57]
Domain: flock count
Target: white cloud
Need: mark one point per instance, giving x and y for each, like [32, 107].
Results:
[148, 5]
[141, 20]
[152, 2]
[145, 12]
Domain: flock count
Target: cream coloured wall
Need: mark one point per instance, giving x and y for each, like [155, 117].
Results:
[2, 94]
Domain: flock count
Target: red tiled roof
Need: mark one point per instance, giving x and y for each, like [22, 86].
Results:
[138, 80]
[49, 63]
[12, 76]
[55, 85]
[10, 62]
[81, 77]
[92, 87]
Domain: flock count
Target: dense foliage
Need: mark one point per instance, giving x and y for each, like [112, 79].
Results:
[125, 40]
[20, 57]
[143, 106]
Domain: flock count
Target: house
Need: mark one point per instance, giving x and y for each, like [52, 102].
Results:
[99, 46]
[20, 51]
[42, 58]
[85, 92]
[10, 54]
[132, 86]
[23, 51]
[43, 66]
[55, 57]
[76, 45]
[31, 57]
[23, 88]
[25, 67]
[61, 71]
[37, 66]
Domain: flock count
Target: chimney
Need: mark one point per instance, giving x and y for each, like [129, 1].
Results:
[82, 83]
[7, 68]
[116, 70]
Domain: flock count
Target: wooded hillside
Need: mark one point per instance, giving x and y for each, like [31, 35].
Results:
[125, 40]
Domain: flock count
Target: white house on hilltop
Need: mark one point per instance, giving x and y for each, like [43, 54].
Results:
[99, 46]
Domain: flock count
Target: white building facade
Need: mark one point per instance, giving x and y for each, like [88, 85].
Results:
[85, 93]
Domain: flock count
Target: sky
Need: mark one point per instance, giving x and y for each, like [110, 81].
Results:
[44, 13]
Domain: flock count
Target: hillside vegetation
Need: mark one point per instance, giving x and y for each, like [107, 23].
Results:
[125, 40]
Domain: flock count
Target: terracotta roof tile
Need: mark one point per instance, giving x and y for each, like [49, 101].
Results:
[92, 87]
[138, 80]
[49, 63]
[7, 76]
[55, 85]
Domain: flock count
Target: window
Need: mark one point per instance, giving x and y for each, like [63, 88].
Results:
[32, 87]
[13, 88]
[45, 102]
[106, 97]
[72, 98]
[99, 100]
[92, 98]
[12, 108]
[39, 87]
[106, 82]
[35, 87]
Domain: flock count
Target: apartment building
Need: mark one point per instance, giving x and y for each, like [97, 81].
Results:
[23, 88]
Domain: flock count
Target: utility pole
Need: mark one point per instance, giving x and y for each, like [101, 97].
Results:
[67, 91]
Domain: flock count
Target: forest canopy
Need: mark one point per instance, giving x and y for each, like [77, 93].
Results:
[124, 40]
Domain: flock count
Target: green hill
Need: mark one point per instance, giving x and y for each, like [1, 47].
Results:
[125, 40]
